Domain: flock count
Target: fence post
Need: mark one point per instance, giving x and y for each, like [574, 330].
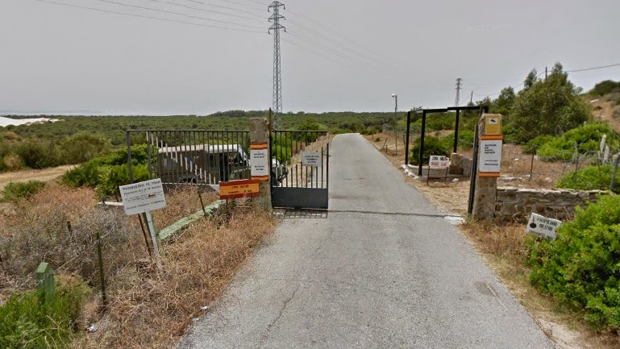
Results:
[615, 171]
[407, 139]
[260, 135]
[104, 296]
[45, 280]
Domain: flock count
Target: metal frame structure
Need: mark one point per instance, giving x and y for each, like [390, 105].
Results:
[482, 109]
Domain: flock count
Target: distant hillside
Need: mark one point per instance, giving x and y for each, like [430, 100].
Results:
[605, 101]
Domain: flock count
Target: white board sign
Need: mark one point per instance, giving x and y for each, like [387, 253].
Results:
[543, 226]
[259, 162]
[312, 159]
[437, 161]
[490, 156]
[143, 197]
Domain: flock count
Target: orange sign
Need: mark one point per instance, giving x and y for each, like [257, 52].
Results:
[239, 189]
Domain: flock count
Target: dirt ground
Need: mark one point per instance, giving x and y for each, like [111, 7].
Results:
[44, 175]
[450, 197]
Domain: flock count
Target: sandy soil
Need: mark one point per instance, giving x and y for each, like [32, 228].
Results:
[44, 175]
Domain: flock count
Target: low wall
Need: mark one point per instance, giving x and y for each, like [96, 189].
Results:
[515, 205]
[461, 164]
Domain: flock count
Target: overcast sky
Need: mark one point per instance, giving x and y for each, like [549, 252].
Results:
[338, 55]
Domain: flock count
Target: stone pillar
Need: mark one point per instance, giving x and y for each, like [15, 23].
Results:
[486, 183]
[259, 134]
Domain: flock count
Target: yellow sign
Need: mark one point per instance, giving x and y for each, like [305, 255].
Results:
[492, 124]
[239, 189]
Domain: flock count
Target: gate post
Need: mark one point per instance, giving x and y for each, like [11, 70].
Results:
[488, 166]
[259, 135]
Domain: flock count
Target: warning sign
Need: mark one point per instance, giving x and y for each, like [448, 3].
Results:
[143, 197]
[239, 189]
[259, 161]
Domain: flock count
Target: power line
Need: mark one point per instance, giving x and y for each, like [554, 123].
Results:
[174, 13]
[594, 68]
[204, 3]
[145, 16]
[209, 11]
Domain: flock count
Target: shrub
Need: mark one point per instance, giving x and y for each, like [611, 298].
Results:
[432, 146]
[12, 162]
[534, 144]
[581, 267]
[20, 190]
[29, 323]
[589, 178]
[37, 155]
[466, 140]
[82, 147]
[587, 139]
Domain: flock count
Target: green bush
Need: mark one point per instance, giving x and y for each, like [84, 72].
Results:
[605, 87]
[590, 178]
[581, 268]
[29, 323]
[107, 173]
[534, 144]
[432, 146]
[38, 155]
[82, 147]
[466, 140]
[587, 138]
[19, 190]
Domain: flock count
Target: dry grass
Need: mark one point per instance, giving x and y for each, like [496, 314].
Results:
[153, 311]
[147, 308]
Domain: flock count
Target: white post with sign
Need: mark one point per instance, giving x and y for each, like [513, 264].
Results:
[142, 198]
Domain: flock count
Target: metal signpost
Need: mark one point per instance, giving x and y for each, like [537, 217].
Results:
[142, 198]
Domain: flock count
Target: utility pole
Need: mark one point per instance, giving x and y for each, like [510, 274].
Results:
[395, 121]
[546, 73]
[471, 98]
[277, 61]
[458, 92]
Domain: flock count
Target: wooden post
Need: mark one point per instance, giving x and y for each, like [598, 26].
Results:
[45, 280]
[104, 296]
[151, 226]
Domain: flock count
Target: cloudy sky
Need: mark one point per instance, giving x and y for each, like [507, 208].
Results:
[201, 56]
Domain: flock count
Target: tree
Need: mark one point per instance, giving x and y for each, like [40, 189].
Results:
[548, 106]
[505, 102]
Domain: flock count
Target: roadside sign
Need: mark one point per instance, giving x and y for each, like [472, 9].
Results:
[437, 161]
[239, 189]
[143, 197]
[259, 161]
[490, 156]
[492, 124]
[543, 226]
[311, 159]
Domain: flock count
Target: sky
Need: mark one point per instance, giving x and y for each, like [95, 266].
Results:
[163, 57]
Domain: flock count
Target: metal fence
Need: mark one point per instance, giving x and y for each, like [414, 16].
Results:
[193, 156]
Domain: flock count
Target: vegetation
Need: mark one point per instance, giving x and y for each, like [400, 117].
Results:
[19, 190]
[432, 146]
[105, 174]
[547, 107]
[582, 139]
[605, 87]
[581, 268]
[590, 178]
[28, 322]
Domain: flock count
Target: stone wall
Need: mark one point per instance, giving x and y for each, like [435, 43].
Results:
[515, 205]
[460, 164]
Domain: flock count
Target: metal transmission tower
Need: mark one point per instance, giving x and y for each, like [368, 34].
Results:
[458, 92]
[277, 60]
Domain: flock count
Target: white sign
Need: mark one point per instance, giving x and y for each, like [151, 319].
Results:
[259, 162]
[490, 156]
[543, 226]
[437, 161]
[143, 197]
[312, 159]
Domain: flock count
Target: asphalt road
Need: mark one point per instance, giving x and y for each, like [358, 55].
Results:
[381, 270]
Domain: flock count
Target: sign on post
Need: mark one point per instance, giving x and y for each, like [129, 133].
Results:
[543, 226]
[437, 161]
[259, 161]
[239, 189]
[493, 124]
[143, 197]
[490, 156]
[311, 159]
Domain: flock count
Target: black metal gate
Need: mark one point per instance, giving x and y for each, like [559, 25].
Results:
[300, 169]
